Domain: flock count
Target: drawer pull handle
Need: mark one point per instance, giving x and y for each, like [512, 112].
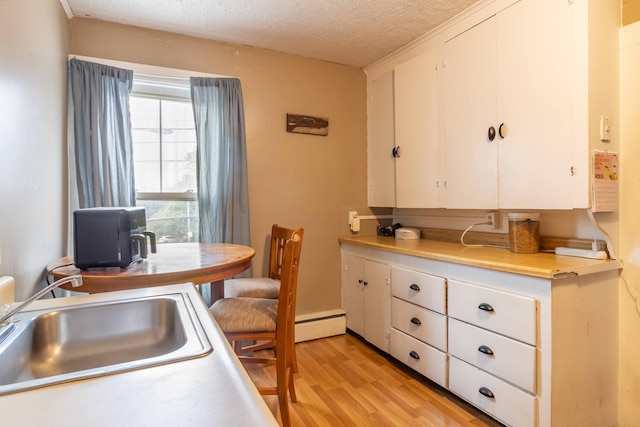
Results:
[416, 321]
[485, 307]
[414, 287]
[486, 392]
[486, 350]
[360, 280]
[414, 355]
[365, 283]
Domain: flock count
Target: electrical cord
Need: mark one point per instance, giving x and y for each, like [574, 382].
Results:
[477, 246]
[629, 286]
[49, 273]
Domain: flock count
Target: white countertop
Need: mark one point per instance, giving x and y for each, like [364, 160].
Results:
[213, 390]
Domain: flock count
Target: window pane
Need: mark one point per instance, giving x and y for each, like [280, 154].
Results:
[178, 147]
[145, 132]
[172, 221]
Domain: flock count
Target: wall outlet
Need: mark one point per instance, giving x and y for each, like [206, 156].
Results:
[492, 217]
[352, 216]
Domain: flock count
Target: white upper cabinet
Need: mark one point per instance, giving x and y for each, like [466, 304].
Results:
[535, 158]
[403, 126]
[500, 107]
[381, 142]
[470, 111]
[417, 126]
[508, 110]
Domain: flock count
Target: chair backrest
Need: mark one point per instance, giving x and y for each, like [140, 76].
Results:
[279, 236]
[288, 289]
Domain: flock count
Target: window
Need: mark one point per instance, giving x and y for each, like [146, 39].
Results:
[164, 154]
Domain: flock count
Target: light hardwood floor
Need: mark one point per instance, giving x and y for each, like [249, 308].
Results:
[343, 381]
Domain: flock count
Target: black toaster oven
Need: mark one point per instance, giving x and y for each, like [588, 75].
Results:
[110, 237]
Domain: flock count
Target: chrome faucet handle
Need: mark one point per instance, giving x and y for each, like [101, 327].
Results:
[4, 310]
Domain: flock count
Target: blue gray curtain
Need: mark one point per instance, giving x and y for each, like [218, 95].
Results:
[222, 161]
[100, 143]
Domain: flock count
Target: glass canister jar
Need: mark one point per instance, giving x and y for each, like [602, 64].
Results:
[524, 232]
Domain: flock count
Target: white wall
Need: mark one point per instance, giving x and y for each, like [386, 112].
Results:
[630, 225]
[33, 73]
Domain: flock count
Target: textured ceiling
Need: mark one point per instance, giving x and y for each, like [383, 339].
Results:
[351, 32]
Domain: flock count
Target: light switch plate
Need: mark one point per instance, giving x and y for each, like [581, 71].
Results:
[605, 129]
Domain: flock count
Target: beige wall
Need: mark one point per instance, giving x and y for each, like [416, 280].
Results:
[294, 180]
[33, 74]
[629, 328]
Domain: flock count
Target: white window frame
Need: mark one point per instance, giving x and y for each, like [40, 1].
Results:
[170, 88]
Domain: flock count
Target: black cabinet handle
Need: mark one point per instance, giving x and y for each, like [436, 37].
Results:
[416, 321]
[485, 307]
[486, 392]
[395, 152]
[503, 130]
[414, 287]
[365, 283]
[359, 280]
[486, 350]
[414, 355]
[491, 133]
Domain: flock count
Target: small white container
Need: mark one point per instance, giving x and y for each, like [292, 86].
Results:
[524, 232]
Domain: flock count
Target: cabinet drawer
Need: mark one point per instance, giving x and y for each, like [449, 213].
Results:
[419, 356]
[506, 358]
[425, 325]
[502, 312]
[419, 288]
[508, 404]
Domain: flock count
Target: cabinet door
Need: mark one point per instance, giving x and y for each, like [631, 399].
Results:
[353, 288]
[377, 304]
[380, 127]
[416, 117]
[367, 299]
[534, 101]
[470, 110]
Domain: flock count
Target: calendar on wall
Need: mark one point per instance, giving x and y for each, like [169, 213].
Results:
[605, 182]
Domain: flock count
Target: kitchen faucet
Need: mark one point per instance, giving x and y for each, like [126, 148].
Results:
[6, 312]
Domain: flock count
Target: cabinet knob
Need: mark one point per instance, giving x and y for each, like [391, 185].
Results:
[485, 307]
[503, 130]
[485, 350]
[491, 133]
[414, 287]
[486, 392]
[365, 283]
[414, 355]
[416, 321]
[360, 280]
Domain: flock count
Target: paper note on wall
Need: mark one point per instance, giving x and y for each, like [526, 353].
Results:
[605, 182]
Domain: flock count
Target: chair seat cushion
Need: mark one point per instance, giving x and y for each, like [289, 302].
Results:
[245, 314]
[253, 287]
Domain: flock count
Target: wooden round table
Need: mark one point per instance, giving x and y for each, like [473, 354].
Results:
[173, 263]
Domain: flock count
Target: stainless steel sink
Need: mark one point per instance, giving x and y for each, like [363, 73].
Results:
[77, 342]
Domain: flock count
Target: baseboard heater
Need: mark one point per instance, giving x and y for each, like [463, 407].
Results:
[320, 325]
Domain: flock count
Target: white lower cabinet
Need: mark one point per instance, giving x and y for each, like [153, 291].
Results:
[526, 350]
[494, 396]
[366, 295]
[421, 357]
[511, 360]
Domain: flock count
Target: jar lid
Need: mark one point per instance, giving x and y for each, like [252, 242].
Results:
[523, 216]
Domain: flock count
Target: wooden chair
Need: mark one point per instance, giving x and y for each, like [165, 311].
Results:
[264, 287]
[270, 322]
[267, 287]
